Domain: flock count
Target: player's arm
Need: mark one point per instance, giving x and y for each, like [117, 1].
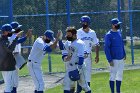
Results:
[64, 52]
[41, 46]
[65, 56]
[58, 38]
[78, 35]
[54, 45]
[61, 45]
[80, 55]
[11, 47]
[96, 47]
[48, 48]
[21, 40]
[124, 53]
[107, 48]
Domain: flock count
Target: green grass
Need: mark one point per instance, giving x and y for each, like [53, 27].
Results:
[58, 65]
[99, 83]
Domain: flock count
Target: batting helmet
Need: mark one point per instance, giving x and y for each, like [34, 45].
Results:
[49, 34]
[6, 27]
[85, 19]
[115, 21]
[15, 25]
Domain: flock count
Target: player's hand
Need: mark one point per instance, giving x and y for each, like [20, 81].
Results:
[67, 58]
[111, 64]
[29, 33]
[59, 35]
[96, 59]
[124, 58]
[19, 34]
[85, 54]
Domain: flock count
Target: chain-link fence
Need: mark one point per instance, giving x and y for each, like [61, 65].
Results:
[58, 14]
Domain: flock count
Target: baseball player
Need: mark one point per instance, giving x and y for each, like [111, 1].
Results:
[7, 60]
[64, 48]
[115, 54]
[73, 54]
[88, 36]
[20, 62]
[41, 46]
[71, 83]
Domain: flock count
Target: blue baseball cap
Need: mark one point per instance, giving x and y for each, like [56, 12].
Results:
[115, 21]
[15, 25]
[49, 34]
[6, 27]
[85, 19]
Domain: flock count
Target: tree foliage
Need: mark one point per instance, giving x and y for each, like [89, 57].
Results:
[96, 9]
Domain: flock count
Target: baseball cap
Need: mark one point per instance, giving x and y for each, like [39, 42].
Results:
[15, 25]
[115, 21]
[6, 27]
[49, 34]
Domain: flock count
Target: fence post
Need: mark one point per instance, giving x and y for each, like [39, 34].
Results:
[68, 12]
[48, 27]
[11, 11]
[119, 10]
[47, 15]
[131, 30]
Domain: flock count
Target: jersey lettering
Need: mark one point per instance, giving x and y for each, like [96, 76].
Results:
[87, 38]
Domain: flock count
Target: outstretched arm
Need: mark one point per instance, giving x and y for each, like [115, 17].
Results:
[23, 39]
[54, 45]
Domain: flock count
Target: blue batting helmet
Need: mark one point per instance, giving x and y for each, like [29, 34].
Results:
[115, 21]
[49, 34]
[85, 19]
[6, 27]
[15, 25]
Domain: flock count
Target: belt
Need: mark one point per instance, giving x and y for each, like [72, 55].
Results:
[86, 55]
[15, 52]
[71, 64]
[31, 61]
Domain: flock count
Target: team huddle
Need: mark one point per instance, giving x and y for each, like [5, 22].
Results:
[76, 55]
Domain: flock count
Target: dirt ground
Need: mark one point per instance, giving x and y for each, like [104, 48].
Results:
[26, 84]
[51, 80]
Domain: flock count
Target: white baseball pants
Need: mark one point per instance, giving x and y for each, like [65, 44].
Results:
[116, 71]
[36, 74]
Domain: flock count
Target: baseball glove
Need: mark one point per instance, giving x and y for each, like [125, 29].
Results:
[74, 75]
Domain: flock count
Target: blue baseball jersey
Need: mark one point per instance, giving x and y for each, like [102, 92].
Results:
[114, 46]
